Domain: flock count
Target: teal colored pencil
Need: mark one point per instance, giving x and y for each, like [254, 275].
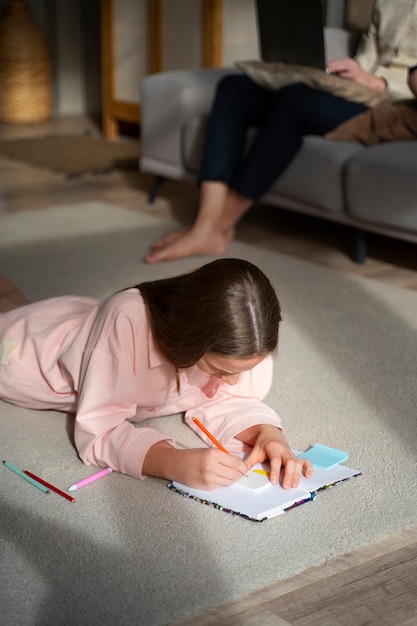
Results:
[30, 480]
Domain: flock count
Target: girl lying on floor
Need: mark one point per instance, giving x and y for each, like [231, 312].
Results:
[200, 343]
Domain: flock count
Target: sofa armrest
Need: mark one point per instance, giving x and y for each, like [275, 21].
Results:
[168, 100]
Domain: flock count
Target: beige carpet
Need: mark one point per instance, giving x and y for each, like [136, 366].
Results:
[133, 552]
[73, 155]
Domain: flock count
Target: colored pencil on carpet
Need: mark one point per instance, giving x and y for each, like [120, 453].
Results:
[51, 487]
[30, 480]
[90, 479]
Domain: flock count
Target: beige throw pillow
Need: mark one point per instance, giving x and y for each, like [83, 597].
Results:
[274, 76]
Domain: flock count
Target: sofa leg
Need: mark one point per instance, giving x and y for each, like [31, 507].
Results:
[359, 246]
[159, 180]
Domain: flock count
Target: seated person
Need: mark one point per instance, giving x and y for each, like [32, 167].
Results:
[231, 180]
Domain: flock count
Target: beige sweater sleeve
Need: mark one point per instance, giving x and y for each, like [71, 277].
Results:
[389, 46]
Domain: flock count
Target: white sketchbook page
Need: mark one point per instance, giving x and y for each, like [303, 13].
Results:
[271, 501]
[322, 478]
[253, 481]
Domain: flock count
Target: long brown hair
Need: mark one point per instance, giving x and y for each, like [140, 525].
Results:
[227, 306]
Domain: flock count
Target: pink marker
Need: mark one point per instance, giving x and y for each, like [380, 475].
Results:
[90, 479]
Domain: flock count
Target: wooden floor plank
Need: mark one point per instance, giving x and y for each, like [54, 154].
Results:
[381, 591]
[270, 598]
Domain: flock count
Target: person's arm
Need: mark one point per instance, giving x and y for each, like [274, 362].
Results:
[108, 388]
[239, 419]
[361, 68]
[367, 53]
[201, 468]
[350, 68]
[105, 437]
[374, 64]
[380, 51]
[412, 79]
[103, 434]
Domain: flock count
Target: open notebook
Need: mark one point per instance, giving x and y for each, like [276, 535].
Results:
[255, 498]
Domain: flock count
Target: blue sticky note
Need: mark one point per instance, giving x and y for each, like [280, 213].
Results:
[324, 457]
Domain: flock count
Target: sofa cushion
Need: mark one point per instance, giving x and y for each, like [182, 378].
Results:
[381, 185]
[315, 175]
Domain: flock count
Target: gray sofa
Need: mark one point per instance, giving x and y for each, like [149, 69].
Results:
[370, 189]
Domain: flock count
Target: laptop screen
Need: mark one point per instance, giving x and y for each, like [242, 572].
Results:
[291, 31]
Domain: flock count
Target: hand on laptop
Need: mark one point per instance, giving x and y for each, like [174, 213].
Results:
[349, 68]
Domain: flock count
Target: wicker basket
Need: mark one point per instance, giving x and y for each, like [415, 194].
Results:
[25, 72]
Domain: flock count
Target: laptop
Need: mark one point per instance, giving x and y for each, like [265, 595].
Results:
[291, 31]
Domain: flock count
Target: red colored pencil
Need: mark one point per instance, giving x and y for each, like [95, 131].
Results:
[51, 487]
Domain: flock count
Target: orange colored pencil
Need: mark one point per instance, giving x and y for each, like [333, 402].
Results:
[51, 487]
[210, 436]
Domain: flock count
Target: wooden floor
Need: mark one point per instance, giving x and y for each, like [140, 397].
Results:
[372, 586]
[375, 585]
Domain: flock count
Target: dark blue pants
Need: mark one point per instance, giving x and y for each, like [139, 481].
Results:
[282, 117]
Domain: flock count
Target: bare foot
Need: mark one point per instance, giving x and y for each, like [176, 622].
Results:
[10, 296]
[190, 242]
[168, 239]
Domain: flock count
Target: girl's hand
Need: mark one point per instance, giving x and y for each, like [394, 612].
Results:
[211, 469]
[268, 443]
[349, 68]
[200, 468]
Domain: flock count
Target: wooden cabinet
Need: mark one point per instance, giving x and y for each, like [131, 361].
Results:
[134, 36]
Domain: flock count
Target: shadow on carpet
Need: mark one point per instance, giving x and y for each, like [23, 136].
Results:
[133, 552]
